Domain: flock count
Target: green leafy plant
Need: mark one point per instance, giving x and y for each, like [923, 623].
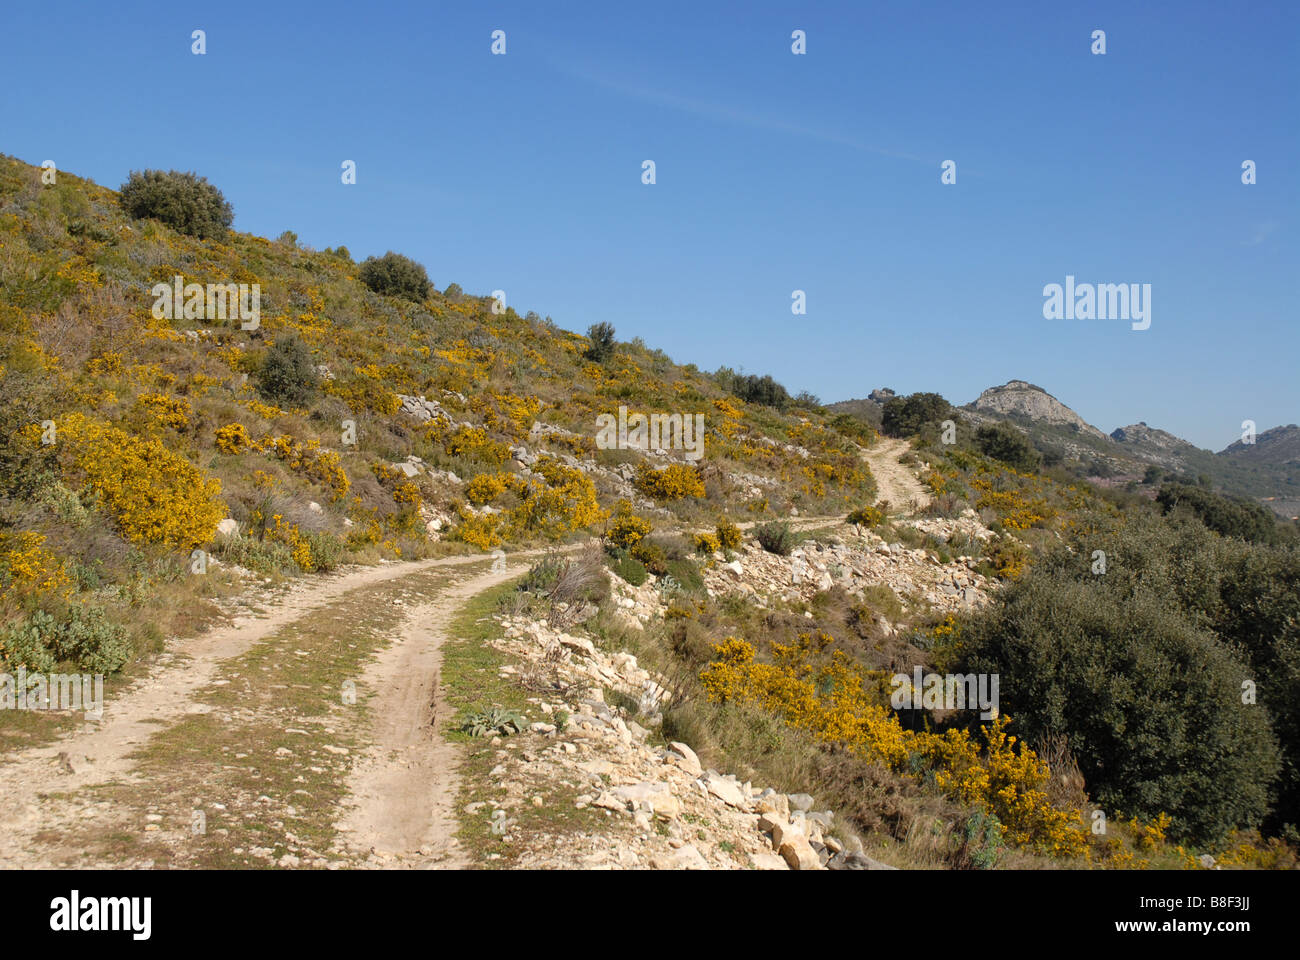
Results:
[494, 722]
[776, 537]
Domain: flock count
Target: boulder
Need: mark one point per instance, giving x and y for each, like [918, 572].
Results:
[775, 803]
[680, 755]
[725, 790]
[798, 853]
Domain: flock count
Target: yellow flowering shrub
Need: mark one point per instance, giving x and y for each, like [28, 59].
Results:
[27, 566]
[486, 487]
[554, 501]
[729, 535]
[364, 392]
[506, 412]
[403, 490]
[167, 411]
[234, 438]
[866, 516]
[322, 466]
[153, 494]
[626, 529]
[832, 699]
[470, 442]
[671, 483]
[564, 503]
[707, 542]
[479, 530]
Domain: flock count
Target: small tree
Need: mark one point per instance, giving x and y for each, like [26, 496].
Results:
[601, 336]
[1001, 441]
[184, 201]
[905, 416]
[287, 376]
[396, 276]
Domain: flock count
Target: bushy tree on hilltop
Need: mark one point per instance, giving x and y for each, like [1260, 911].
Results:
[395, 275]
[184, 201]
[907, 416]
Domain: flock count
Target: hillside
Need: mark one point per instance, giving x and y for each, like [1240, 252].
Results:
[410, 402]
[380, 573]
[1279, 446]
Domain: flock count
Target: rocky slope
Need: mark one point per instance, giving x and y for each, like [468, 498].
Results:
[1021, 399]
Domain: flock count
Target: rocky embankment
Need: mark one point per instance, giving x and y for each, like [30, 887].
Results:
[661, 808]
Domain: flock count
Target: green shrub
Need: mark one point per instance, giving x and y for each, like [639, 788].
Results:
[602, 342]
[263, 556]
[90, 640]
[287, 375]
[1001, 441]
[906, 416]
[1121, 664]
[1258, 613]
[686, 573]
[1230, 516]
[25, 645]
[752, 388]
[542, 576]
[628, 567]
[651, 555]
[184, 201]
[775, 536]
[394, 275]
[326, 551]
[80, 634]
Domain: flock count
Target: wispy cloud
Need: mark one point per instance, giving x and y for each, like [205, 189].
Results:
[723, 113]
[1261, 233]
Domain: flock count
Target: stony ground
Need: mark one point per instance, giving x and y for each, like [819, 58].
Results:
[314, 729]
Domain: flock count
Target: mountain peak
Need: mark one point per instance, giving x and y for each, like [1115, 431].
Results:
[1021, 398]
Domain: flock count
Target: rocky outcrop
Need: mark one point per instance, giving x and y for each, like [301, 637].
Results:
[1150, 439]
[855, 561]
[1021, 399]
[662, 808]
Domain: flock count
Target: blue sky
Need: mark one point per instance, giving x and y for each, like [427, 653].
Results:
[775, 172]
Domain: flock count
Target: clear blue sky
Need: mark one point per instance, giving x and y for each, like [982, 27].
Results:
[775, 172]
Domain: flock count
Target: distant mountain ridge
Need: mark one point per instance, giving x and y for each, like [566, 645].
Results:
[1280, 445]
[1267, 470]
